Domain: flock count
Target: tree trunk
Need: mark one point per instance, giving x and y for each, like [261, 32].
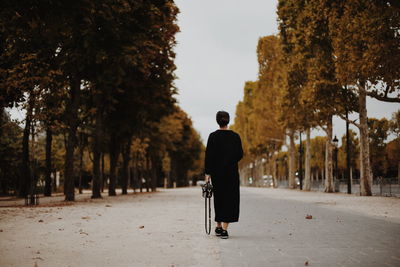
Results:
[103, 176]
[135, 174]
[148, 174]
[398, 172]
[126, 158]
[275, 169]
[307, 178]
[114, 154]
[54, 180]
[34, 165]
[71, 113]
[292, 152]
[96, 183]
[25, 177]
[365, 168]
[81, 150]
[140, 175]
[329, 188]
[132, 178]
[1, 118]
[153, 172]
[49, 138]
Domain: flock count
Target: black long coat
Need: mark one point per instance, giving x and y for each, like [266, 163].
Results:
[223, 152]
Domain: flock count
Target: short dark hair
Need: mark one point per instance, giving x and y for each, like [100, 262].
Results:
[222, 118]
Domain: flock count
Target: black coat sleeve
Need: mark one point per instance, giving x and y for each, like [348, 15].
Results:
[209, 157]
[239, 149]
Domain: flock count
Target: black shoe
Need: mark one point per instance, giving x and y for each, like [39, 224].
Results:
[218, 231]
[224, 234]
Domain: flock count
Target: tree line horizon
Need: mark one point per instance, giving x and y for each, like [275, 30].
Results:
[96, 79]
[326, 59]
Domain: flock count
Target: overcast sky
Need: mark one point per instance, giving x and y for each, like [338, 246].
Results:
[216, 54]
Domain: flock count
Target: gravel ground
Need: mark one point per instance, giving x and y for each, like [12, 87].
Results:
[149, 229]
[387, 208]
[166, 228]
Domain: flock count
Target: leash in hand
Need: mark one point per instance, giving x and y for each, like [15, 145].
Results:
[207, 190]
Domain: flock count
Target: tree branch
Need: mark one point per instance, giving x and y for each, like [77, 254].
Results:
[384, 97]
[325, 129]
[349, 121]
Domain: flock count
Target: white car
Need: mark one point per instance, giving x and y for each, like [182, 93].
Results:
[200, 182]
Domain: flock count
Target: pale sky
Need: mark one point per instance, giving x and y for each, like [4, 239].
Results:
[216, 55]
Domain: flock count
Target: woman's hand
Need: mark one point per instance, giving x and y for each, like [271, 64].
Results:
[207, 178]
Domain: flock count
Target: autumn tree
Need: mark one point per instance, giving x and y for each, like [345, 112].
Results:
[269, 131]
[108, 65]
[365, 40]
[393, 148]
[294, 112]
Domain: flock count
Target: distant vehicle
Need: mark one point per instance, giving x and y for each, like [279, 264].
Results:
[268, 180]
[250, 180]
[200, 182]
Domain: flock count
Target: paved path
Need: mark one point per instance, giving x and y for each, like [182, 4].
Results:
[166, 229]
[274, 232]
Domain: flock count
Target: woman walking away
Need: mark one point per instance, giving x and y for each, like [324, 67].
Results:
[223, 152]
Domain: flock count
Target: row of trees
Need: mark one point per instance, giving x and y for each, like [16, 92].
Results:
[328, 57]
[95, 79]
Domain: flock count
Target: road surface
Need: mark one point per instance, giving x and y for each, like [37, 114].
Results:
[167, 229]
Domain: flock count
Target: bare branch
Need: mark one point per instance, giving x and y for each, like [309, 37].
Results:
[325, 129]
[349, 121]
[384, 98]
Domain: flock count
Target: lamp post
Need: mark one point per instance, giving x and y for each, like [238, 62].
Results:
[348, 163]
[301, 164]
[335, 143]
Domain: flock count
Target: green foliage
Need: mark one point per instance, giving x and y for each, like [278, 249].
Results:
[10, 154]
[378, 133]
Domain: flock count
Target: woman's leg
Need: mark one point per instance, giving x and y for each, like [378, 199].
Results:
[225, 225]
[219, 225]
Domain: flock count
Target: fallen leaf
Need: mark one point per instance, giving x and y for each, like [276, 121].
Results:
[141, 227]
[85, 218]
[59, 218]
[108, 205]
[40, 220]
[309, 217]
[1, 230]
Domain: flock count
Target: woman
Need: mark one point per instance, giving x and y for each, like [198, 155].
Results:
[223, 152]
